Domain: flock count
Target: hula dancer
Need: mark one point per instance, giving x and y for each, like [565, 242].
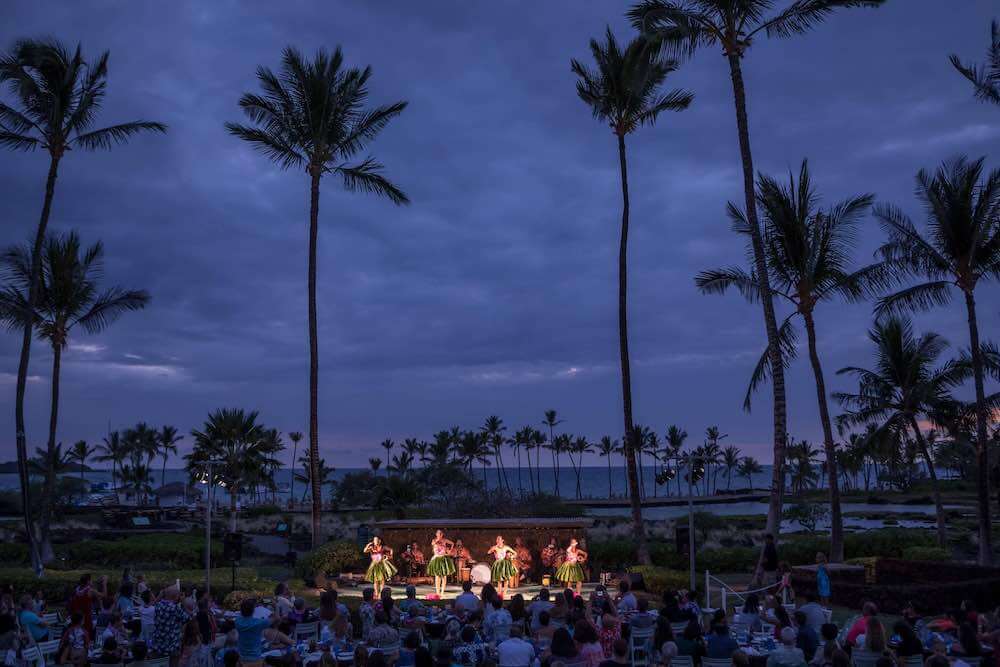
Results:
[381, 570]
[441, 565]
[570, 572]
[504, 567]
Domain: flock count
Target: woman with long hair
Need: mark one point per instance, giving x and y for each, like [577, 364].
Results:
[504, 567]
[441, 565]
[381, 569]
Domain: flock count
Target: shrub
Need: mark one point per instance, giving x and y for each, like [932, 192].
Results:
[611, 554]
[12, 554]
[658, 580]
[233, 600]
[926, 553]
[328, 560]
[255, 511]
[175, 550]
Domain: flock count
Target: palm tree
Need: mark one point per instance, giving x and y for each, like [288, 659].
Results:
[80, 452]
[748, 468]
[375, 463]
[112, 449]
[580, 447]
[295, 437]
[731, 456]
[803, 457]
[387, 445]
[903, 387]
[960, 248]
[807, 251]
[493, 430]
[624, 92]
[986, 78]
[324, 472]
[521, 440]
[401, 464]
[552, 421]
[312, 116]
[238, 445]
[675, 438]
[684, 26]
[167, 440]
[608, 447]
[538, 443]
[711, 452]
[58, 97]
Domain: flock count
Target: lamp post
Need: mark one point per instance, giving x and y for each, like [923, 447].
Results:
[689, 462]
[208, 523]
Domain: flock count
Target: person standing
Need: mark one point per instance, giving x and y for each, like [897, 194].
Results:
[169, 618]
[381, 569]
[83, 599]
[570, 572]
[504, 567]
[823, 588]
[441, 565]
[770, 560]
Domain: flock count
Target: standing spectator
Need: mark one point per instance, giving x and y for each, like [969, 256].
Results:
[206, 621]
[169, 618]
[282, 600]
[750, 614]
[83, 598]
[251, 632]
[147, 612]
[806, 637]
[823, 588]
[124, 602]
[815, 614]
[770, 560]
[35, 626]
[194, 652]
[611, 627]
[626, 598]
[858, 628]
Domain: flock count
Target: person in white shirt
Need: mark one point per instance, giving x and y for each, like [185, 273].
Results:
[538, 606]
[815, 614]
[515, 652]
[497, 625]
[283, 605]
[466, 602]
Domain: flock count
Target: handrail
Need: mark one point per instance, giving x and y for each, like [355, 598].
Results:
[725, 589]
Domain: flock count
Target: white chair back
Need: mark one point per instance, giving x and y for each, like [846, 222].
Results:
[639, 641]
[913, 661]
[51, 618]
[864, 658]
[678, 628]
[307, 631]
[682, 661]
[714, 662]
[158, 662]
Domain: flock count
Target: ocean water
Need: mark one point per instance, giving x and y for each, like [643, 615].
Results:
[594, 481]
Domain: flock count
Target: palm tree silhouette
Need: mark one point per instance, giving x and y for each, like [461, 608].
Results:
[80, 452]
[624, 92]
[748, 468]
[903, 387]
[112, 450]
[675, 438]
[959, 248]
[167, 441]
[730, 461]
[608, 447]
[312, 116]
[985, 78]
[808, 250]
[681, 27]
[551, 420]
[59, 95]
[295, 437]
[388, 446]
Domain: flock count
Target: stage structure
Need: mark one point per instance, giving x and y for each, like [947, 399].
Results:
[478, 535]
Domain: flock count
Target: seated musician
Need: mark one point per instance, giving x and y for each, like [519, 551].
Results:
[550, 557]
[419, 560]
[524, 559]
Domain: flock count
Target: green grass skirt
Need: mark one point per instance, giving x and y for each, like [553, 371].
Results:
[503, 569]
[381, 570]
[569, 572]
[441, 566]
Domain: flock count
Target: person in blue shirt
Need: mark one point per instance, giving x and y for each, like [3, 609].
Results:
[251, 632]
[30, 621]
[124, 603]
[719, 644]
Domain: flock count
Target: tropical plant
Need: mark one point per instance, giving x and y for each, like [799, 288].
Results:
[388, 446]
[624, 92]
[985, 78]
[747, 469]
[580, 446]
[295, 437]
[493, 437]
[808, 250]
[959, 248]
[325, 472]
[675, 438]
[607, 448]
[684, 26]
[80, 452]
[49, 464]
[234, 446]
[552, 420]
[57, 96]
[731, 456]
[112, 450]
[374, 463]
[167, 440]
[803, 457]
[313, 116]
[903, 387]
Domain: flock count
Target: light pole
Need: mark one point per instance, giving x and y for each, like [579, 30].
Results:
[689, 462]
[208, 523]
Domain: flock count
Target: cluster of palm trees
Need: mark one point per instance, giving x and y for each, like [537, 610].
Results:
[800, 253]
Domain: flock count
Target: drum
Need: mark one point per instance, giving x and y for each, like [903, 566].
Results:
[465, 574]
[481, 574]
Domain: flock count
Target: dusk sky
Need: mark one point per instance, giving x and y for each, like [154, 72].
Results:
[495, 291]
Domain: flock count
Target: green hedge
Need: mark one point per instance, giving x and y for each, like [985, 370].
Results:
[926, 553]
[57, 585]
[14, 554]
[170, 550]
[328, 560]
[658, 580]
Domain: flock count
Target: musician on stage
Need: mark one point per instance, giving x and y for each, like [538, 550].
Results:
[504, 567]
[570, 572]
[381, 569]
[406, 558]
[550, 556]
[442, 564]
[419, 559]
[524, 559]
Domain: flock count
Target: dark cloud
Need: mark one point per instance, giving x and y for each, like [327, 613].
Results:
[495, 291]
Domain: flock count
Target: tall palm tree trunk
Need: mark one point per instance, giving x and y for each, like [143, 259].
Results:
[942, 535]
[232, 510]
[315, 173]
[610, 491]
[982, 452]
[630, 440]
[836, 520]
[45, 545]
[291, 486]
[22, 366]
[773, 524]
[555, 459]
[520, 487]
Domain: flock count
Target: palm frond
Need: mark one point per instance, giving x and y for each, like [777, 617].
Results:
[802, 15]
[109, 306]
[985, 79]
[915, 298]
[367, 177]
[717, 281]
[113, 135]
[787, 343]
[270, 144]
